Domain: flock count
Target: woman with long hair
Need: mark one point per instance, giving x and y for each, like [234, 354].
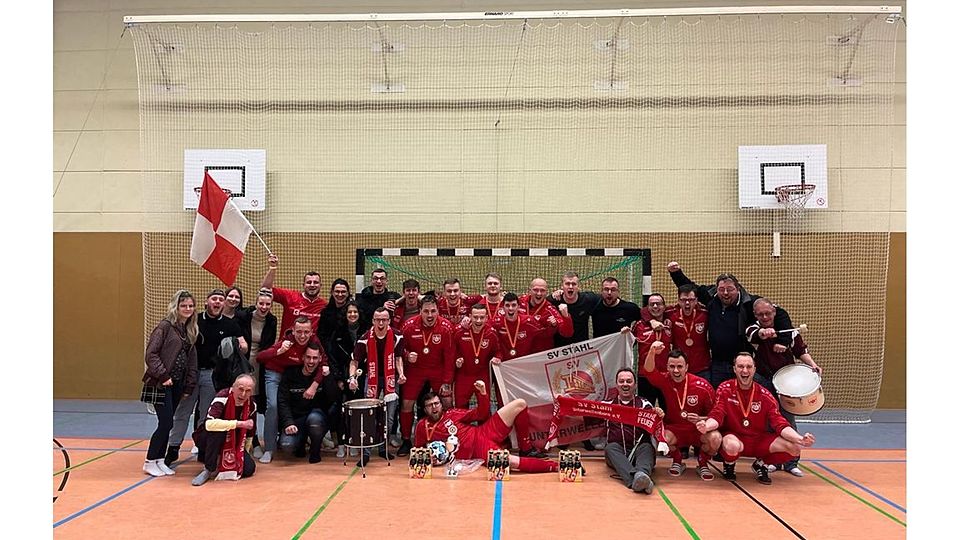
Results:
[171, 365]
[351, 327]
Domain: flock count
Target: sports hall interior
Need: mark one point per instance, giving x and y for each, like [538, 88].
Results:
[681, 206]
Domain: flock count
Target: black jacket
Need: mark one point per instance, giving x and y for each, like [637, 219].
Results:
[291, 404]
[368, 302]
[726, 326]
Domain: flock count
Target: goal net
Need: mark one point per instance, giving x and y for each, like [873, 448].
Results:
[512, 133]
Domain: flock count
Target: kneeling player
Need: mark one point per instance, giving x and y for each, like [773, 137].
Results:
[693, 397]
[475, 441]
[742, 412]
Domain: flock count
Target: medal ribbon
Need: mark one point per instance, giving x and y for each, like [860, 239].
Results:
[683, 400]
[475, 345]
[516, 332]
[746, 410]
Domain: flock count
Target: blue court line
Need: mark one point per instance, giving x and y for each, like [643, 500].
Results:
[864, 488]
[101, 502]
[497, 506]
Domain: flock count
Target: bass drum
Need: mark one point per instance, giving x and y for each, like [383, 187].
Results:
[799, 389]
[366, 422]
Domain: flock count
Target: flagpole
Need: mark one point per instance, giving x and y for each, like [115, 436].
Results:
[252, 228]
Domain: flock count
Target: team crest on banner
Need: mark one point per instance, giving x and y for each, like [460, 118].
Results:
[585, 370]
[580, 377]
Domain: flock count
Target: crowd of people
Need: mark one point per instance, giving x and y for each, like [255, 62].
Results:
[706, 364]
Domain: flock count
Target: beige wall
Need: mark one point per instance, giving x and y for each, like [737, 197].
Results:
[98, 198]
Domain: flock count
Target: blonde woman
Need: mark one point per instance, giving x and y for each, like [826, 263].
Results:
[171, 360]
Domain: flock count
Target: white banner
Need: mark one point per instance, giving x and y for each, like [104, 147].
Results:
[585, 370]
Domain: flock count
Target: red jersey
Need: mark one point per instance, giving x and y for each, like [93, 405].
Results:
[296, 304]
[540, 314]
[460, 420]
[434, 347]
[646, 335]
[689, 334]
[455, 314]
[401, 315]
[269, 358]
[475, 349]
[516, 337]
[692, 395]
[760, 405]
[494, 309]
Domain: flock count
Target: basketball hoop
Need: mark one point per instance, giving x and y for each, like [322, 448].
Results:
[198, 189]
[794, 198]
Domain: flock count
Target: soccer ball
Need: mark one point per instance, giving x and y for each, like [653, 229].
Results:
[439, 454]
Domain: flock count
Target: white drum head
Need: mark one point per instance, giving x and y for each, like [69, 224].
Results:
[363, 404]
[798, 380]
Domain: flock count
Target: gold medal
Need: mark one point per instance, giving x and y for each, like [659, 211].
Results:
[513, 352]
[746, 423]
[476, 360]
[689, 342]
[683, 414]
[426, 350]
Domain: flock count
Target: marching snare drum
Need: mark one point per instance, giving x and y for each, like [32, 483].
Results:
[366, 422]
[799, 389]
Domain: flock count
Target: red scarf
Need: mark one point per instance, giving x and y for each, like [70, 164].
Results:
[647, 419]
[389, 366]
[231, 455]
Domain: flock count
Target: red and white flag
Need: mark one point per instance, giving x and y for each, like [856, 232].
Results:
[220, 233]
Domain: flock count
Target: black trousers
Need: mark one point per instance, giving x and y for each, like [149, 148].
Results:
[210, 444]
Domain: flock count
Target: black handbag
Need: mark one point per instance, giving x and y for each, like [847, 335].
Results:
[153, 395]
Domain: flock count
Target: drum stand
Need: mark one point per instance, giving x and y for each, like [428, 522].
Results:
[386, 444]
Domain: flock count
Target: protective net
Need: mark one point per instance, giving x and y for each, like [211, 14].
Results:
[607, 132]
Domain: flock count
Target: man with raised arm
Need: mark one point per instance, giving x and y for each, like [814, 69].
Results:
[749, 420]
[306, 302]
[691, 399]
[729, 313]
[489, 434]
[580, 305]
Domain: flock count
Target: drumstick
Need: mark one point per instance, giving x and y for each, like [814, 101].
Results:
[801, 329]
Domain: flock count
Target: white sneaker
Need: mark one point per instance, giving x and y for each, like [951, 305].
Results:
[150, 467]
[796, 471]
[341, 451]
[201, 478]
[257, 452]
[327, 441]
[267, 457]
[194, 450]
[164, 469]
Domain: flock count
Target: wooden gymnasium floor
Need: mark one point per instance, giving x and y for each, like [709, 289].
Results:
[100, 492]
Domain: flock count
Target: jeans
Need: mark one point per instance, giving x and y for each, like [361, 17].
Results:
[643, 460]
[200, 399]
[158, 442]
[312, 426]
[271, 419]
